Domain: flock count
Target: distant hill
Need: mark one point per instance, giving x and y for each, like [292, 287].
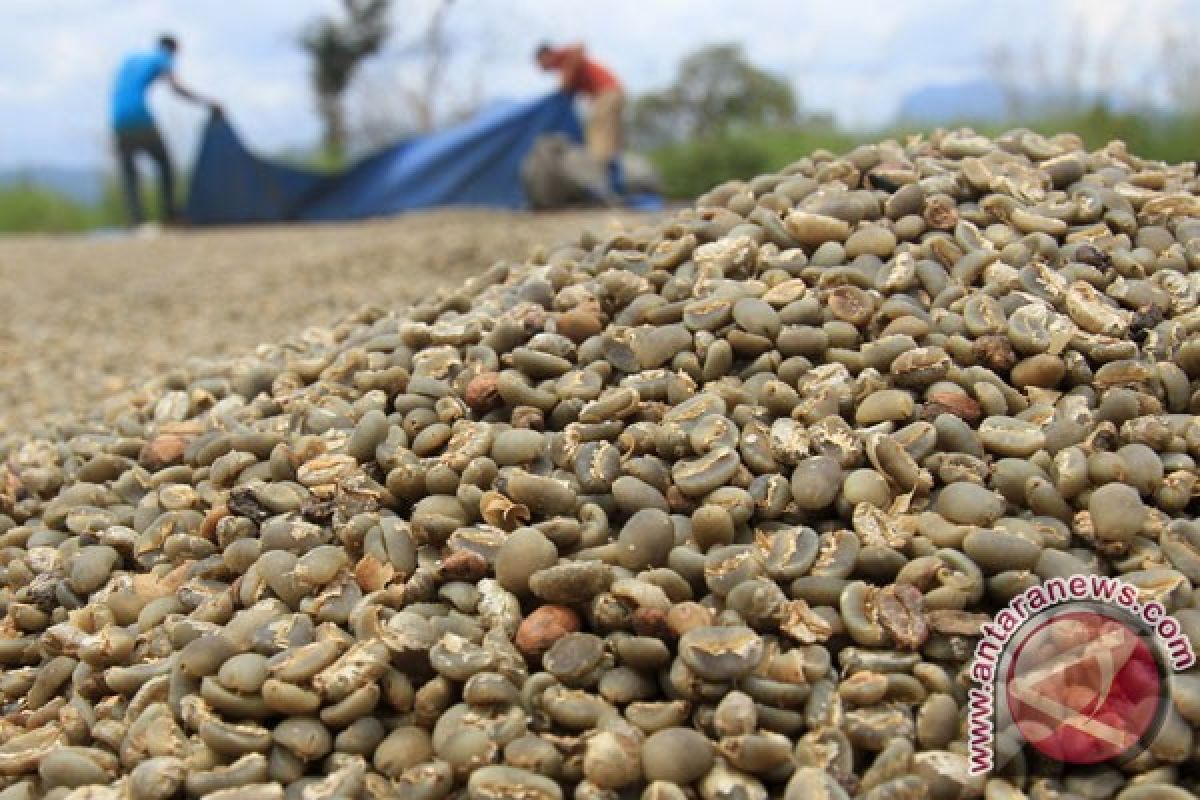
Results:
[987, 101]
[977, 100]
[81, 184]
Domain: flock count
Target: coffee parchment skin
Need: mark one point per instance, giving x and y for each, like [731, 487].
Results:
[715, 507]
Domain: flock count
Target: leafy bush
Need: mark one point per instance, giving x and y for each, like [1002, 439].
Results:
[691, 168]
[716, 92]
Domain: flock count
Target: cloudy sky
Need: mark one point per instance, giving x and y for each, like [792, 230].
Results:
[853, 59]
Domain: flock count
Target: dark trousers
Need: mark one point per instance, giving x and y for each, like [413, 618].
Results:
[146, 141]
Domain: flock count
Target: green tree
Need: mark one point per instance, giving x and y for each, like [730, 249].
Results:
[337, 47]
[716, 91]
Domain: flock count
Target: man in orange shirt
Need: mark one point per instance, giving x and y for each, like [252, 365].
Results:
[607, 100]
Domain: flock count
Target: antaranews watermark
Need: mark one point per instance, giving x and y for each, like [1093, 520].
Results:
[1077, 668]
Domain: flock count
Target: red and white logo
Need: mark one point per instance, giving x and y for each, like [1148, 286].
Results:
[1075, 668]
[1083, 687]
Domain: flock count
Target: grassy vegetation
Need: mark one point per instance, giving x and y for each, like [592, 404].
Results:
[32, 209]
[29, 208]
[690, 168]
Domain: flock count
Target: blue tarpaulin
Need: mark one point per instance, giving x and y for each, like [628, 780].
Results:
[476, 163]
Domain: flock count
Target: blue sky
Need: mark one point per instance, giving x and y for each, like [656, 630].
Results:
[853, 59]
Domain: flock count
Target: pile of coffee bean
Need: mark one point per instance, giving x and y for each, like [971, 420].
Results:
[714, 508]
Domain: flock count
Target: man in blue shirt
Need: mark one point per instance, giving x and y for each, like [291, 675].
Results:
[134, 127]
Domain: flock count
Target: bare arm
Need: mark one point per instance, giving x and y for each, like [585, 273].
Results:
[188, 94]
[571, 64]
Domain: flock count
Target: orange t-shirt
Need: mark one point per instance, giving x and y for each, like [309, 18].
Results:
[587, 77]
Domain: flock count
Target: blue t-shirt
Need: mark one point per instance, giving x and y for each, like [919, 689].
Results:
[129, 109]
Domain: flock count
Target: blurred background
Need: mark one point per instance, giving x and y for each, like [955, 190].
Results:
[717, 88]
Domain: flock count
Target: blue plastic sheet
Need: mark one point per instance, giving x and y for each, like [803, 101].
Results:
[476, 163]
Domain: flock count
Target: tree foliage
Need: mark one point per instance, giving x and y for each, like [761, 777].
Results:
[338, 46]
[716, 92]
[416, 86]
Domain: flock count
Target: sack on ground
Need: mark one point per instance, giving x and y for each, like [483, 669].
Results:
[560, 174]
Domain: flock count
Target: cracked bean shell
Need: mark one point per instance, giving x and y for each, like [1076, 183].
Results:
[502, 783]
[718, 653]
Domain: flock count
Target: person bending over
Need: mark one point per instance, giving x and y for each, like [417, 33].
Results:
[604, 132]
